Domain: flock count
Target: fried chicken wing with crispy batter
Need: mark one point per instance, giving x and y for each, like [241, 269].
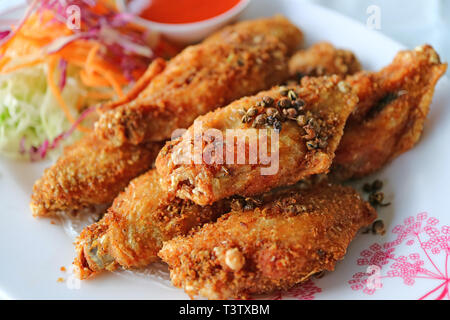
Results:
[305, 146]
[239, 60]
[134, 228]
[89, 172]
[323, 59]
[293, 235]
[389, 118]
[138, 203]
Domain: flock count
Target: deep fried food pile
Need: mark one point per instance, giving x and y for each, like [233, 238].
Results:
[251, 56]
[133, 230]
[291, 236]
[239, 60]
[90, 172]
[323, 59]
[247, 252]
[307, 140]
[226, 229]
[142, 207]
[389, 118]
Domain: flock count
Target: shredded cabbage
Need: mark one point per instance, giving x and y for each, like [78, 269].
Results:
[114, 52]
[30, 114]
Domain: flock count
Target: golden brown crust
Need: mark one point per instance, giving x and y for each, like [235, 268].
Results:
[303, 149]
[277, 26]
[191, 81]
[89, 172]
[240, 60]
[323, 59]
[389, 118]
[292, 235]
[134, 228]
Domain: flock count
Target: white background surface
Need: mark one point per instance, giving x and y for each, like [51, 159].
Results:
[32, 250]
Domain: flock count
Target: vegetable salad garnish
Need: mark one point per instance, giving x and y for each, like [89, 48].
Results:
[54, 69]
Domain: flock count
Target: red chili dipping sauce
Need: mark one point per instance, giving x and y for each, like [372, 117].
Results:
[186, 11]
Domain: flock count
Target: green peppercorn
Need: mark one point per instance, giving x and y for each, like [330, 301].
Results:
[252, 112]
[292, 95]
[367, 187]
[298, 104]
[267, 101]
[378, 227]
[260, 120]
[377, 185]
[292, 113]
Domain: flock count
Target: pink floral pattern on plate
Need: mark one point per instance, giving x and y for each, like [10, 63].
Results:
[429, 247]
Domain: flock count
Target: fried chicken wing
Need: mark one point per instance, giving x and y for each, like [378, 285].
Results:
[85, 175]
[239, 60]
[323, 59]
[138, 203]
[134, 228]
[89, 172]
[389, 118]
[305, 146]
[293, 235]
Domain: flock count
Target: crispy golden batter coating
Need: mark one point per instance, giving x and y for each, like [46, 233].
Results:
[240, 60]
[134, 228]
[323, 59]
[136, 205]
[293, 235]
[306, 145]
[89, 172]
[192, 81]
[277, 26]
[389, 118]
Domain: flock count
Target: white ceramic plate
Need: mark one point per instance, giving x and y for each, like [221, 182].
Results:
[412, 253]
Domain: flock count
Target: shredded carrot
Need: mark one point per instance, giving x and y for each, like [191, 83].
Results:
[92, 66]
[50, 72]
[20, 66]
[110, 78]
[93, 80]
[79, 104]
[55, 90]
[4, 61]
[81, 53]
[100, 95]
[91, 56]
[96, 71]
